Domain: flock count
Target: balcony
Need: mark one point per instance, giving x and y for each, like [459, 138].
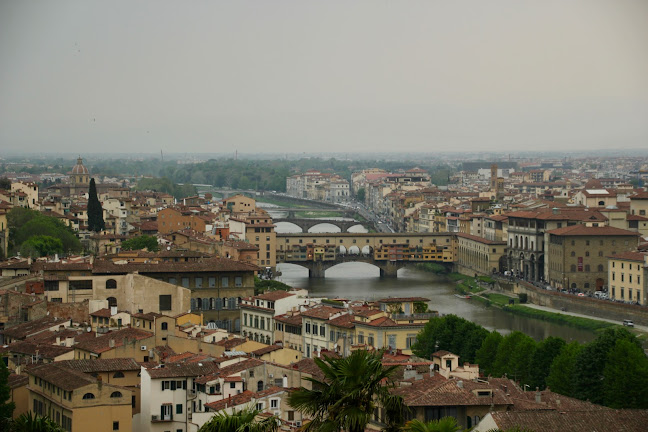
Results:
[415, 316]
[159, 419]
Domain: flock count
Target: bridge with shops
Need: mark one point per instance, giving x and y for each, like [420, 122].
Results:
[320, 251]
[307, 223]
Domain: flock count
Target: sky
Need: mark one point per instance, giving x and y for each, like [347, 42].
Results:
[300, 76]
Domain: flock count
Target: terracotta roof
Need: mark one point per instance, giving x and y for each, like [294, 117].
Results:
[575, 421]
[235, 400]
[60, 376]
[639, 196]
[230, 343]
[29, 328]
[636, 218]
[174, 370]
[629, 256]
[295, 320]
[275, 295]
[582, 230]
[322, 312]
[266, 350]
[102, 343]
[480, 239]
[346, 321]
[104, 313]
[149, 316]
[16, 381]
[205, 265]
[47, 351]
[101, 365]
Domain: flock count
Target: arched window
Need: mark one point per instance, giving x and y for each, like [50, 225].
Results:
[601, 203]
[573, 267]
[112, 302]
[88, 396]
[111, 284]
[573, 254]
[574, 285]
[587, 267]
[600, 267]
[118, 375]
[165, 326]
[116, 394]
[259, 385]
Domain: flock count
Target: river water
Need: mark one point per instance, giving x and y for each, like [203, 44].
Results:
[362, 281]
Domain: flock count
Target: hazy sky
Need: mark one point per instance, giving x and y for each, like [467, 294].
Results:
[292, 76]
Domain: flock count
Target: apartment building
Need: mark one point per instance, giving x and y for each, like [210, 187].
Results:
[628, 276]
[577, 255]
[258, 312]
[78, 401]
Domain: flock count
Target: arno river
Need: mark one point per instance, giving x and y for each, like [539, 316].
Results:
[362, 281]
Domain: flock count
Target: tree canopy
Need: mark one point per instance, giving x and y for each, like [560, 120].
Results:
[239, 421]
[450, 333]
[41, 246]
[6, 407]
[25, 223]
[147, 242]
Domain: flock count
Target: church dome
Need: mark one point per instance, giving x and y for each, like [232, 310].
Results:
[79, 168]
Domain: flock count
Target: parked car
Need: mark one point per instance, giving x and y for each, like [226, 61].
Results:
[628, 323]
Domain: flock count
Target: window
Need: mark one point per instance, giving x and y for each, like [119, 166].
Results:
[178, 408]
[118, 374]
[185, 282]
[238, 281]
[165, 302]
[274, 403]
[165, 326]
[199, 282]
[225, 281]
[211, 282]
[322, 331]
[308, 328]
[88, 396]
[111, 284]
[116, 394]
[80, 284]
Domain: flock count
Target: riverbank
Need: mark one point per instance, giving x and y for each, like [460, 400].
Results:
[480, 289]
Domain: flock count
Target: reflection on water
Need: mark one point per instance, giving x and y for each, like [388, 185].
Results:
[362, 281]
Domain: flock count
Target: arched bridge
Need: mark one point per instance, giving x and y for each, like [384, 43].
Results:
[307, 223]
[387, 251]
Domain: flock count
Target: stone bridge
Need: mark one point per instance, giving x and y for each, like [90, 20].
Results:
[307, 223]
[316, 269]
[358, 247]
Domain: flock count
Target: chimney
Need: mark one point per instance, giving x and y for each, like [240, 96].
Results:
[460, 384]
[555, 210]
[111, 343]
[538, 396]
[431, 370]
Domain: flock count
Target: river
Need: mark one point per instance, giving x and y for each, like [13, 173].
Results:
[362, 281]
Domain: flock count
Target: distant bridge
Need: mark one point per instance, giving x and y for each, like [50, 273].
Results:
[307, 223]
[339, 248]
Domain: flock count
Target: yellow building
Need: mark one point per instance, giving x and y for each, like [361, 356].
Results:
[77, 401]
[477, 255]
[627, 276]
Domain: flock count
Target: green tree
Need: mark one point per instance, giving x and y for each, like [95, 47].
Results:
[542, 359]
[625, 377]
[25, 223]
[27, 422]
[239, 421]
[445, 424]
[5, 183]
[486, 354]
[6, 407]
[141, 242]
[41, 246]
[420, 307]
[360, 195]
[592, 360]
[513, 356]
[562, 370]
[345, 399]
[450, 333]
[95, 212]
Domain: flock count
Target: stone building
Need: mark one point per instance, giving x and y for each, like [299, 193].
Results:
[577, 255]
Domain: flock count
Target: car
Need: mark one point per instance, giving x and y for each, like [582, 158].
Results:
[581, 295]
[628, 323]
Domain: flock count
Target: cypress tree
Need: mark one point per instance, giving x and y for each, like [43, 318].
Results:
[95, 212]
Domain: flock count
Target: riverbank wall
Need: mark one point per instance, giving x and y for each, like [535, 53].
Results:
[583, 305]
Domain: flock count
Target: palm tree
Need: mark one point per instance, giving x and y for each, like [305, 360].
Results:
[445, 424]
[27, 422]
[347, 396]
[239, 421]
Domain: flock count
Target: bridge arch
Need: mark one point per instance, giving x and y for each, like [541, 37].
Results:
[286, 226]
[324, 222]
